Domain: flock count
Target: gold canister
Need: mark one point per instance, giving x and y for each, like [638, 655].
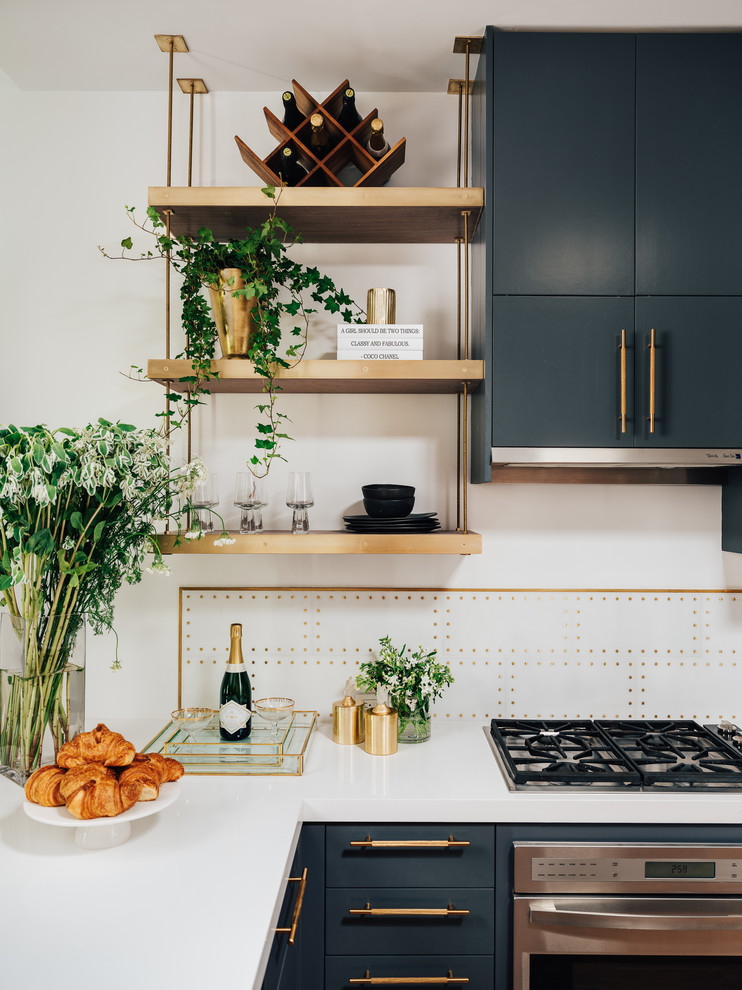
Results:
[381, 306]
[381, 725]
[347, 721]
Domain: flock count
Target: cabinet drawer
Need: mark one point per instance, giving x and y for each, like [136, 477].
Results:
[412, 863]
[339, 970]
[407, 929]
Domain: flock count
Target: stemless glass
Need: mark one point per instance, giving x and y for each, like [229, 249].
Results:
[299, 497]
[250, 497]
[205, 497]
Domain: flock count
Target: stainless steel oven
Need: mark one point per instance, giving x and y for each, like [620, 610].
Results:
[604, 916]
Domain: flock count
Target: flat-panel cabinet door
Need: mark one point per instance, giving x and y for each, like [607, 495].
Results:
[557, 371]
[689, 163]
[698, 353]
[562, 193]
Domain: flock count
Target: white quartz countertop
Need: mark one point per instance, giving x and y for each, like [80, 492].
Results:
[196, 888]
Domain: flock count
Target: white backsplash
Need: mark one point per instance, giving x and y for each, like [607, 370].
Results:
[547, 653]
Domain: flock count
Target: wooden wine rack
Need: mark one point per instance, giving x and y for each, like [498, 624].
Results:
[347, 148]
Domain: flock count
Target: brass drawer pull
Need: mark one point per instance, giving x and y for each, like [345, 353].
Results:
[652, 379]
[622, 349]
[369, 980]
[449, 912]
[302, 881]
[449, 843]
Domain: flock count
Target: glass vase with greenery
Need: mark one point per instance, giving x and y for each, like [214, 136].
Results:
[414, 679]
[77, 517]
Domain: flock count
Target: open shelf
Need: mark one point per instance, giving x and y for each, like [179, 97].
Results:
[410, 377]
[330, 542]
[326, 215]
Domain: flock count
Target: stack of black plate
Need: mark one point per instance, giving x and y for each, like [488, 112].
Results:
[416, 522]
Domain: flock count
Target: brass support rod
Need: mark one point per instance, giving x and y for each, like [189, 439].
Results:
[466, 120]
[190, 137]
[170, 112]
[464, 412]
[466, 214]
[464, 458]
[458, 149]
[458, 395]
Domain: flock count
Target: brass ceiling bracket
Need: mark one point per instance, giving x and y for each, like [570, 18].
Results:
[474, 44]
[178, 42]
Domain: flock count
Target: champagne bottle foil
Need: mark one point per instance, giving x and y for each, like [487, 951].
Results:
[381, 306]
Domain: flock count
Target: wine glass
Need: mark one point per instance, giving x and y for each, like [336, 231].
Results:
[299, 497]
[274, 711]
[192, 720]
[205, 497]
[250, 496]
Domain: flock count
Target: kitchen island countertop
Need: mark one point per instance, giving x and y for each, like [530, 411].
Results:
[194, 894]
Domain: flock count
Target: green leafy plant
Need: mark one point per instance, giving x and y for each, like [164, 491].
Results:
[77, 515]
[413, 679]
[283, 290]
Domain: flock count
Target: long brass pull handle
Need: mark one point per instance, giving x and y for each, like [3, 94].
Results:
[652, 380]
[302, 881]
[449, 843]
[369, 980]
[622, 348]
[447, 912]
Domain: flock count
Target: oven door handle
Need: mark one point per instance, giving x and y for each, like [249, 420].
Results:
[648, 915]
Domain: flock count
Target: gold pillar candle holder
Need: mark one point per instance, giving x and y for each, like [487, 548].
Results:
[233, 314]
[381, 728]
[347, 721]
[381, 306]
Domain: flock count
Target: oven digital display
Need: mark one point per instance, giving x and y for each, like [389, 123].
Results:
[669, 870]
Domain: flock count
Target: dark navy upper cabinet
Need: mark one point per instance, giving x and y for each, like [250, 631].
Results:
[612, 168]
[563, 183]
[557, 371]
[688, 164]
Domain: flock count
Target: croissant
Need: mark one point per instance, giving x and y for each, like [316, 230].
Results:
[42, 787]
[168, 768]
[146, 773]
[94, 791]
[99, 746]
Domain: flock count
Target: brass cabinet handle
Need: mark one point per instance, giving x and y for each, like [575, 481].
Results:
[447, 912]
[302, 881]
[622, 349]
[449, 843]
[369, 980]
[652, 379]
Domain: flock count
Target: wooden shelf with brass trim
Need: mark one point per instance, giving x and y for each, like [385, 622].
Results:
[331, 542]
[330, 376]
[396, 215]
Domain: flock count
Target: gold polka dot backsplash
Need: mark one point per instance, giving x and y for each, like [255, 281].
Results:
[525, 653]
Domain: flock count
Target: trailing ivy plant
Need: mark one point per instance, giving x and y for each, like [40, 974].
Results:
[281, 288]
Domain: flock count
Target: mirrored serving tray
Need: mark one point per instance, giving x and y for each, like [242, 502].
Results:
[261, 753]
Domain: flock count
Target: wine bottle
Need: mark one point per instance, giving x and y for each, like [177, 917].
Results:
[235, 697]
[349, 116]
[377, 144]
[289, 168]
[319, 137]
[292, 115]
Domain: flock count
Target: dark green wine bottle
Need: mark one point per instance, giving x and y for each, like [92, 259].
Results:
[320, 139]
[292, 115]
[377, 145]
[289, 168]
[349, 116]
[235, 697]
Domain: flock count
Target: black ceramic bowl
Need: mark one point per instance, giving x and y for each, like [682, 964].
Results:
[389, 508]
[388, 491]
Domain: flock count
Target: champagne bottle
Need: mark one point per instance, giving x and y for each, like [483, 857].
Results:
[349, 116]
[319, 138]
[377, 144]
[235, 697]
[289, 168]
[292, 115]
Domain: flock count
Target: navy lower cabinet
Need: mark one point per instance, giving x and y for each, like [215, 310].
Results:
[408, 902]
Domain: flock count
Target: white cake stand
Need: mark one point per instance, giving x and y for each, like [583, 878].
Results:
[102, 833]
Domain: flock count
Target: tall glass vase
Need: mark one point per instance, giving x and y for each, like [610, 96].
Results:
[414, 724]
[42, 689]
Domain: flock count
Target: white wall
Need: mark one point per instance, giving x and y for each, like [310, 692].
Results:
[73, 323]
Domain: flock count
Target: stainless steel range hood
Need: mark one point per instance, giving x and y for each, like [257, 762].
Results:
[619, 457]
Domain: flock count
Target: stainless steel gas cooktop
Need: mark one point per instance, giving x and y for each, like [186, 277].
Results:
[639, 754]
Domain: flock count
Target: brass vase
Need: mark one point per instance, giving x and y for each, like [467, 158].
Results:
[234, 315]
